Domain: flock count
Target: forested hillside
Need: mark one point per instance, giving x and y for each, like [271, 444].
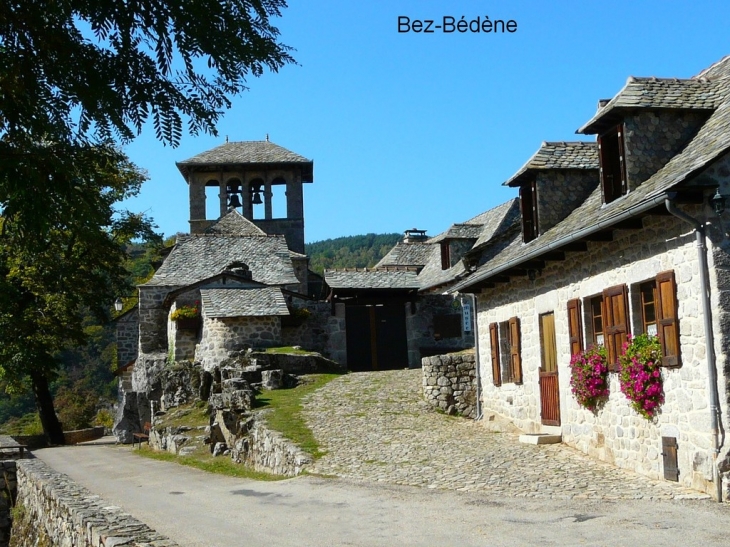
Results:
[350, 251]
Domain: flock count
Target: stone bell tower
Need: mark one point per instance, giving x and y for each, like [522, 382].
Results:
[245, 173]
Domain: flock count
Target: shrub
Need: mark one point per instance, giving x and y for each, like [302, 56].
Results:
[186, 312]
[640, 374]
[589, 377]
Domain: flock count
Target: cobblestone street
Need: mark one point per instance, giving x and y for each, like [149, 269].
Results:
[376, 427]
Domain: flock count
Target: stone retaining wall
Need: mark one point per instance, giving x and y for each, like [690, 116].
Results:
[269, 451]
[8, 488]
[53, 510]
[449, 383]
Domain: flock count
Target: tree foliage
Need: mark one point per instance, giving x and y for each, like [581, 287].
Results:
[350, 252]
[71, 68]
[49, 279]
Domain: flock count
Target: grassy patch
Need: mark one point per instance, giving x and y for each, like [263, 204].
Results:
[289, 349]
[285, 412]
[190, 415]
[204, 461]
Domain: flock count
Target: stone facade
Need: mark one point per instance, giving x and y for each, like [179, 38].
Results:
[153, 318]
[616, 434]
[321, 332]
[127, 336]
[651, 139]
[222, 336]
[420, 329]
[450, 383]
[57, 511]
[561, 191]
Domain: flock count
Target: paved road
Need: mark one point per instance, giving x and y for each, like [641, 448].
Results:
[195, 509]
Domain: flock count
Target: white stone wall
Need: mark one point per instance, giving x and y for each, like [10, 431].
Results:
[617, 434]
[221, 336]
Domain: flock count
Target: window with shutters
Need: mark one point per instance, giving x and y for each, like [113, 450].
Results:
[613, 165]
[594, 320]
[506, 350]
[528, 205]
[658, 313]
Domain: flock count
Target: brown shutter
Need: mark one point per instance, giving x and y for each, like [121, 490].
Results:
[445, 255]
[494, 342]
[535, 229]
[514, 350]
[666, 319]
[574, 326]
[616, 322]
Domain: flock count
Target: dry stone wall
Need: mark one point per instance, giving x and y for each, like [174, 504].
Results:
[420, 332]
[450, 383]
[57, 511]
[223, 336]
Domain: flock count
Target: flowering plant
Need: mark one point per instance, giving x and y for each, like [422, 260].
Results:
[641, 376]
[589, 377]
[186, 312]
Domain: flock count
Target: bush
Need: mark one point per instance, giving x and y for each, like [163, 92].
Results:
[641, 375]
[589, 377]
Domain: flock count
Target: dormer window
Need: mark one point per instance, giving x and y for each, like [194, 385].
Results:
[613, 164]
[445, 255]
[528, 204]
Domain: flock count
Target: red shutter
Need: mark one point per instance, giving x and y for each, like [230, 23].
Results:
[574, 327]
[616, 322]
[666, 319]
[514, 350]
[494, 342]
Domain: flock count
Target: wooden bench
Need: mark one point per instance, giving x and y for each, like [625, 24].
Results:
[144, 436]
[9, 445]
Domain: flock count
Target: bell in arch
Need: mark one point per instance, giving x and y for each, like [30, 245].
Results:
[234, 201]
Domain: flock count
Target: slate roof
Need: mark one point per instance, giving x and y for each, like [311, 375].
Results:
[406, 254]
[196, 257]
[234, 223]
[491, 224]
[242, 152]
[371, 279]
[237, 302]
[710, 142]
[557, 155]
[686, 94]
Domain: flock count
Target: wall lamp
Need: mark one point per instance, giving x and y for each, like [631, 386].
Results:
[718, 202]
[118, 304]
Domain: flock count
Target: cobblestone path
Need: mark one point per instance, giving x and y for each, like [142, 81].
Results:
[376, 427]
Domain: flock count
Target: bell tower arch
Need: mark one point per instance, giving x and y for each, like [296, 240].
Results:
[246, 174]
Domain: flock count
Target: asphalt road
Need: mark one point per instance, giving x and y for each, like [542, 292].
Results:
[195, 508]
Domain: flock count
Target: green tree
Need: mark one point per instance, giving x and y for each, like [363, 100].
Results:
[70, 68]
[48, 281]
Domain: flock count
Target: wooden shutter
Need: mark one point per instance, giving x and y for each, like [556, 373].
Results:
[666, 319]
[494, 342]
[622, 160]
[616, 322]
[574, 326]
[514, 350]
[445, 255]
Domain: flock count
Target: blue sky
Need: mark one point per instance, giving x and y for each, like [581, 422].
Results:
[420, 130]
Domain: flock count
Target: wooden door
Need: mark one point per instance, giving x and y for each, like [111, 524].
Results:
[376, 337]
[549, 385]
[358, 335]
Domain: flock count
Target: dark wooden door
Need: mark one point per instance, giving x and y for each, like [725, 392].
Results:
[359, 352]
[376, 337]
[549, 385]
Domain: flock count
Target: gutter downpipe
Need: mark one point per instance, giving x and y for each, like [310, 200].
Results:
[475, 325]
[709, 335]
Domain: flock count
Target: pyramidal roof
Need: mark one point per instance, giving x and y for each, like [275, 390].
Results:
[242, 152]
[235, 224]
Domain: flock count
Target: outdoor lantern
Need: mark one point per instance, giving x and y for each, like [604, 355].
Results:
[718, 202]
[118, 304]
[234, 201]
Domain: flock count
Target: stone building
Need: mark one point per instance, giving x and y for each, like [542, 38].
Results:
[227, 285]
[620, 237]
